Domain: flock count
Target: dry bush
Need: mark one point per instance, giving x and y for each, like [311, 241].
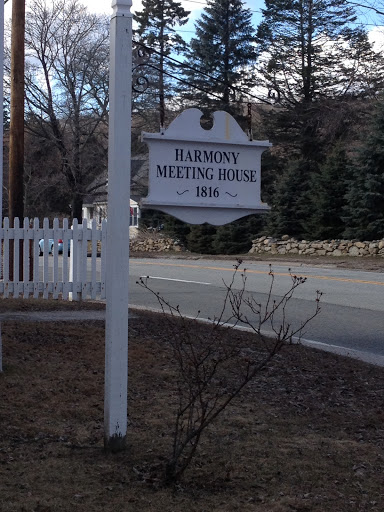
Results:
[212, 368]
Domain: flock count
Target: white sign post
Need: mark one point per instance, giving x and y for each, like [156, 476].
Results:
[119, 163]
[196, 175]
[201, 175]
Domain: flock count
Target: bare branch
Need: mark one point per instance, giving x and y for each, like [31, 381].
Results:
[213, 368]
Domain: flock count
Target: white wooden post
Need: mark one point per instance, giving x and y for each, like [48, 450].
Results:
[26, 258]
[74, 262]
[103, 258]
[55, 255]
[83, 260]
[66, 277]
[36, 252]
[93, 258]
[16, 257]
[119, 171]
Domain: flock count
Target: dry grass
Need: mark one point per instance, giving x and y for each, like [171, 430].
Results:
[308, 435]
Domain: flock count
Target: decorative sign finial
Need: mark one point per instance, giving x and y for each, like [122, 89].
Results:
[121, 7]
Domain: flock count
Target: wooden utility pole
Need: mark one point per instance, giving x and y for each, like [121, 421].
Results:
[16, 131]
[1, 108]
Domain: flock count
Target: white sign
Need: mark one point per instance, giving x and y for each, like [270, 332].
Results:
[201, 175]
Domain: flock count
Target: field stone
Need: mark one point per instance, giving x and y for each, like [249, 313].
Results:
[288, 245]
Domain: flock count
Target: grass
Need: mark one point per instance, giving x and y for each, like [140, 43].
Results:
[307, 435]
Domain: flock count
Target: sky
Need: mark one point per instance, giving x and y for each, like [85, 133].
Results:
[196, 7]
[376, 34]
[187, 31]
[104, 6]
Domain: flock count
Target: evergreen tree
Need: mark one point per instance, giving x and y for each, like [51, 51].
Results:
[156, 28]
[364, 211]
[290, 205]
[309, 52]
[236, 237]
[221, 56]
[178, 229]
[157, 221]
[310, 60]
[327, 197]
[200, 238]
[315, 64]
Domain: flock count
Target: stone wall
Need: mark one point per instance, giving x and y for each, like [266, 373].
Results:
[155, 244]
[288, 245]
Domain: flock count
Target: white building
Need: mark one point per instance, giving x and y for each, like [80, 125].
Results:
[95, 205]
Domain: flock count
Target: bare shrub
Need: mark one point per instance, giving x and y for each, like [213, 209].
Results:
[212, 366]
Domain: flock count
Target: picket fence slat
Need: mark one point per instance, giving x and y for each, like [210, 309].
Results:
[83, 261]
[73, 275]
[35, 256]
[26, 259]
[66, 242]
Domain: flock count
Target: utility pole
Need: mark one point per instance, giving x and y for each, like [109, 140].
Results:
[1, 108]
[16, 131]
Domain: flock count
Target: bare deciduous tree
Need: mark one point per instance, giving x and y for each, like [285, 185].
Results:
[66, 88]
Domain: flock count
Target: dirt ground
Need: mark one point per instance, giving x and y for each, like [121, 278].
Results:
[307, 435]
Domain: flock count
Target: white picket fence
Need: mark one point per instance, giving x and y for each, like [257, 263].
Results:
[79, 275]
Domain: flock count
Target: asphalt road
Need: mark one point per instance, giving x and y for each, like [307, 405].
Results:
[352, 305]
[351, 320]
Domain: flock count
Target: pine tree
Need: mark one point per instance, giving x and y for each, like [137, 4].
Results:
[364, 211]
[309, 52]
[236, 237]
[222, 56]
[200, 238]
[177, 229]
[327, 197]
[290, 206]
[315, 64]
[156, 28]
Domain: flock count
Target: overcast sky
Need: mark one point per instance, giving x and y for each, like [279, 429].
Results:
[104, 6]
[196, 6]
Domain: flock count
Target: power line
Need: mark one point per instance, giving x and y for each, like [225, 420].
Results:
[185, 82]
[260, 11]
[183, 65]
[261, 102]
[204, 3]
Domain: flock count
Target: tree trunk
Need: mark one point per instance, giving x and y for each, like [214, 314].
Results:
[16, 131]
[77, 206]
[226, 61]
[161, 75]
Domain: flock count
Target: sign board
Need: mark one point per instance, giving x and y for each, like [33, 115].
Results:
[200, 175]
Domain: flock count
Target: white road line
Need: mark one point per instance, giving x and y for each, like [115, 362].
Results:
[366, 357]
[170, 279]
